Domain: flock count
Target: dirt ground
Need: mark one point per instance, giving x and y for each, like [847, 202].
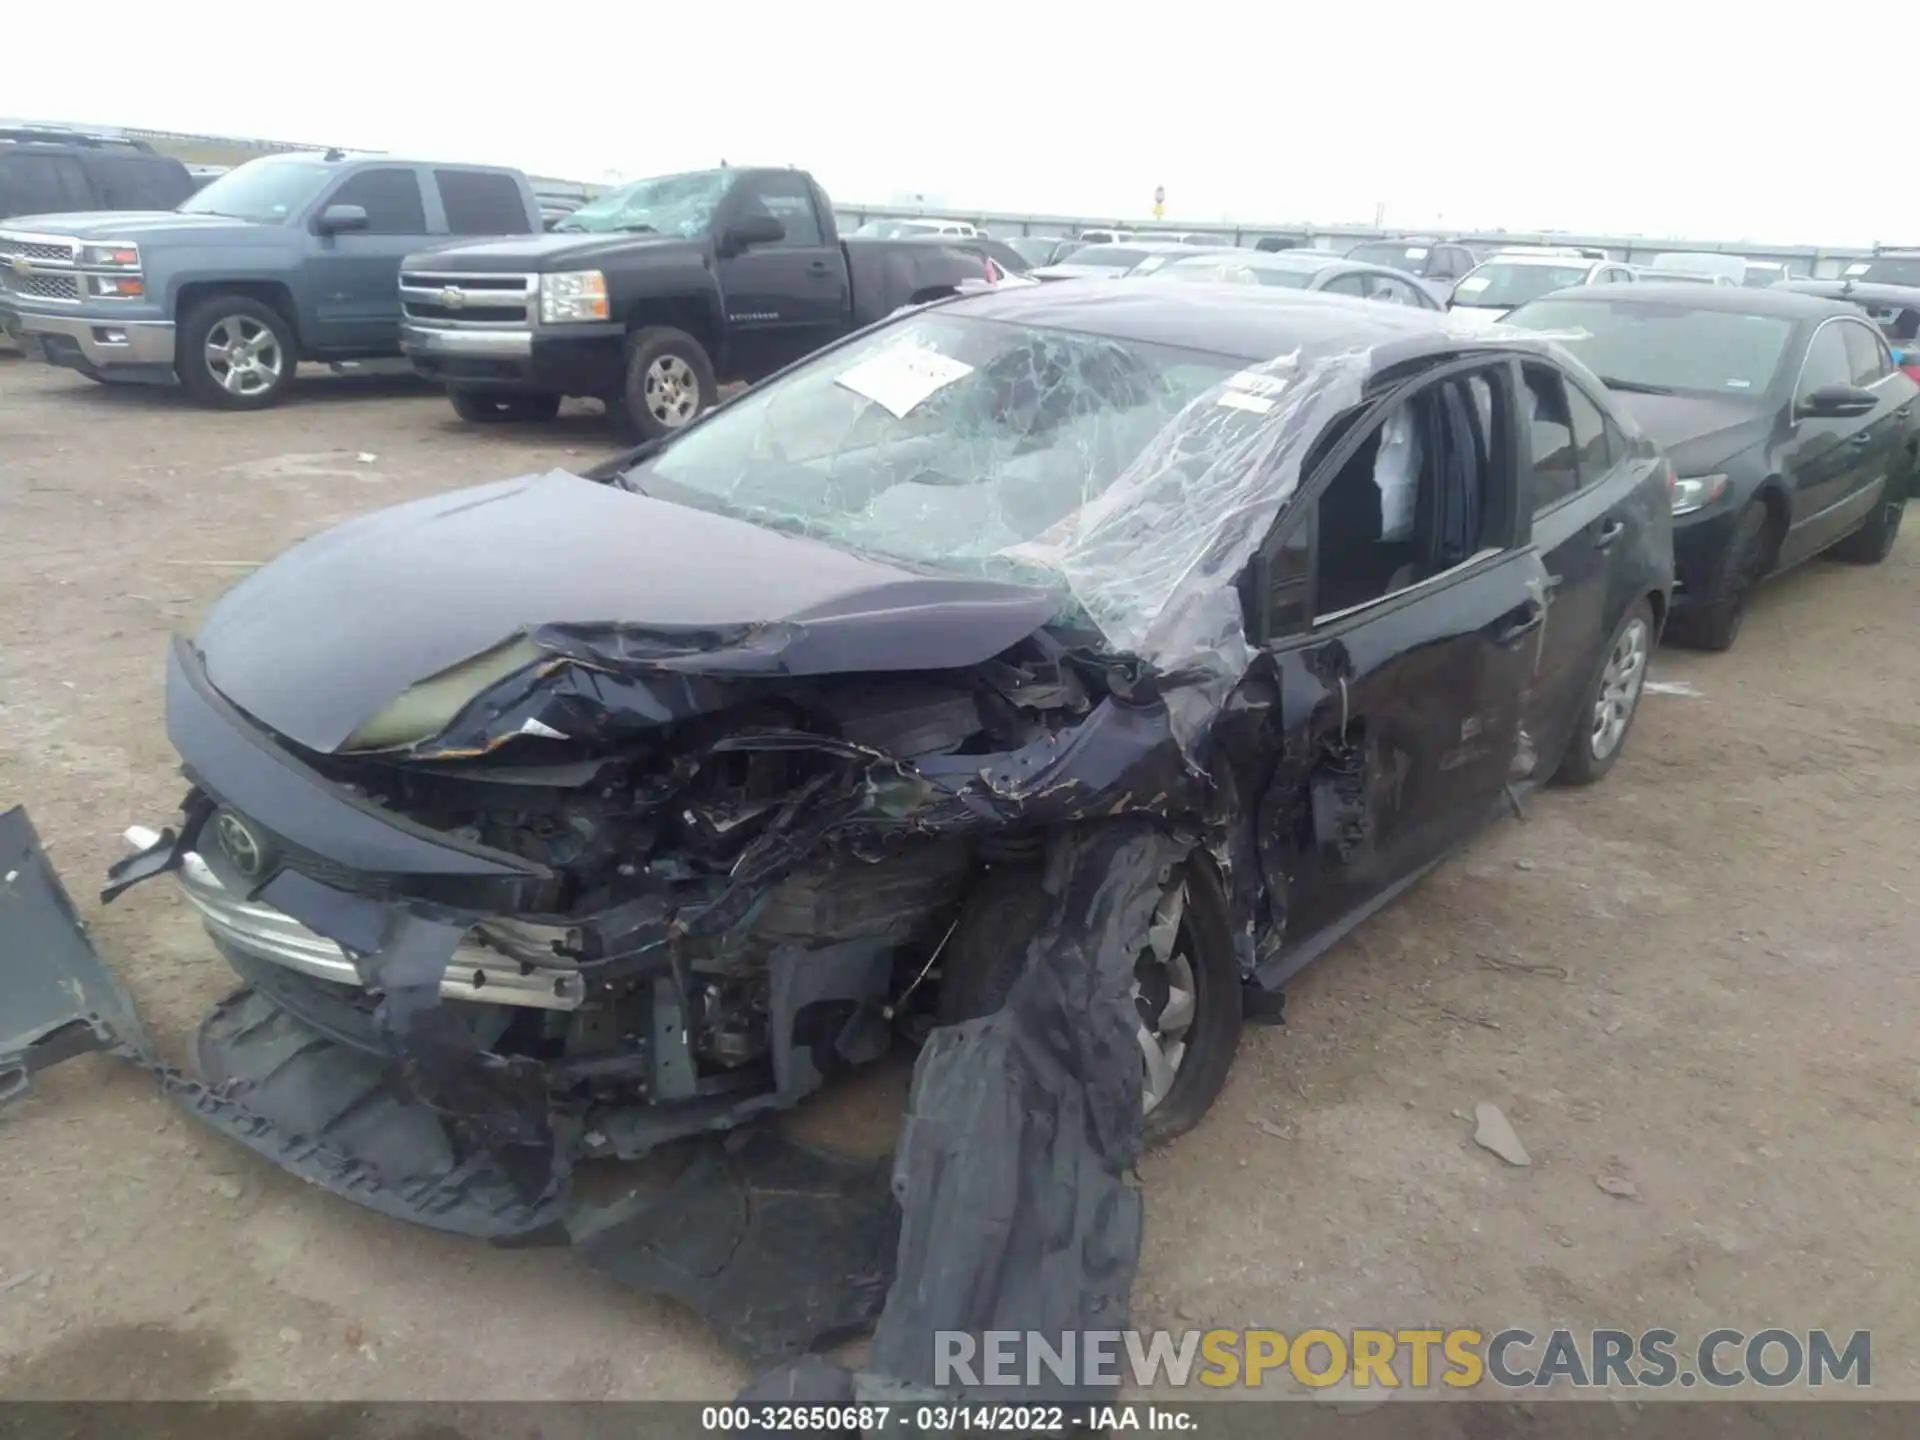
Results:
[1698, 976]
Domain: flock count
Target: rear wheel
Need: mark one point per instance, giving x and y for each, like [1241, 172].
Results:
[1714, 623]
[483, 407]
[1186, 984]
[1611, 700]
[1873, 541]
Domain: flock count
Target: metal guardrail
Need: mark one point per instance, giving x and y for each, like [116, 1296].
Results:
[1821, 262]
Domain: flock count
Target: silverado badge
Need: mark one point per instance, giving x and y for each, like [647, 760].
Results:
[453, 299]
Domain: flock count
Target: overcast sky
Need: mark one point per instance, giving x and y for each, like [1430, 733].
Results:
[1680, 118]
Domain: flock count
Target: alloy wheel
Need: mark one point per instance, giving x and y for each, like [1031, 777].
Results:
[672, 391]
[244, 356]
[1620, 685]
[1164, 995]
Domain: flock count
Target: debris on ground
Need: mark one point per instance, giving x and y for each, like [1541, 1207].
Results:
[1492, 1132]
[1671, 687]
[1618, 1186]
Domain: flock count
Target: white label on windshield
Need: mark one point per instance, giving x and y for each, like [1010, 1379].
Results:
[1419, 252]
[1240, 400]
[1259, 384]
[1739, 384]
[902, 377]
[1859, 269]
[1473, 284]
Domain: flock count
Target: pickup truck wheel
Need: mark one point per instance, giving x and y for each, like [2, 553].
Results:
[669, 382]
[484, 407]
[235, 353]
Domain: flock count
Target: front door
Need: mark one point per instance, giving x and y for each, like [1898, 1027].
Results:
[788, 298]
[1827, 458]
[353, 278]
[1402, 696]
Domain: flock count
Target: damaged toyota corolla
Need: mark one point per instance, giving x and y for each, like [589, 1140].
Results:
[1045, 675]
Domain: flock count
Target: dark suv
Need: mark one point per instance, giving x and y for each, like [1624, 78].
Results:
[45, 170]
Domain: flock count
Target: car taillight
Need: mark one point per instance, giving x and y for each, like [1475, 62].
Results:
[994, 273]
[1671, 476]
[1912, 367]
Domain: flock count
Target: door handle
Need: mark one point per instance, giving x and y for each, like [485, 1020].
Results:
[1519, 623]
[1609, 532]
[818, 267]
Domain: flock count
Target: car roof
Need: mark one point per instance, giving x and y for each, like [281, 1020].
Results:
[1734, 299]
[1242, 322]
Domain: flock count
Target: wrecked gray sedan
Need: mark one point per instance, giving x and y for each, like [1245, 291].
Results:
[1041, 677]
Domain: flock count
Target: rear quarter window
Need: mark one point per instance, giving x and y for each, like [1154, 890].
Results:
[482, 203]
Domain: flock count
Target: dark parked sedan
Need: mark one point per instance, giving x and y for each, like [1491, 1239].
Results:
[1047, 674]
[1791, 428]
[1301, 270]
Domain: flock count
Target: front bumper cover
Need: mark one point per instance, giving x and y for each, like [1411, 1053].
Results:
[100, 343]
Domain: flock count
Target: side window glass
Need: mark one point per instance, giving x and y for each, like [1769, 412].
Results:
[1556, 469]
[1827, 362]
[1593, 446]
[479, 202]
[391, 199]
[1866, 359]
[788, 200]
[1416, 499]
[1346, 285]
[1289, 601]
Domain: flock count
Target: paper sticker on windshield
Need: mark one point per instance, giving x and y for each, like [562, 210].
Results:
[1240, 400]
[1859, 269]
[1739, 384]
[1418, 252]
[902, 377]
[1474, 283]
[1254, 382]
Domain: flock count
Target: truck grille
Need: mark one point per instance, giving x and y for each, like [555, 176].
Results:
[455, 300]
[59, 251]
[40, 287]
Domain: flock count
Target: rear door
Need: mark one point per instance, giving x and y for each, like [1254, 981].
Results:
[354, 278]
[788, 298]
[1402, 612]
[1581, 479]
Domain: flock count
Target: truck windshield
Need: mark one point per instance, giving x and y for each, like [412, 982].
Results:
[949, 442]
[267, 191]
[670, 205]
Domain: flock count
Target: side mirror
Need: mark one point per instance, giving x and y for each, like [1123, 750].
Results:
[338, 219]
[1838, 402]
[753, 230]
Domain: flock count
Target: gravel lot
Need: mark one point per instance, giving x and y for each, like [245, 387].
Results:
[1698, 976]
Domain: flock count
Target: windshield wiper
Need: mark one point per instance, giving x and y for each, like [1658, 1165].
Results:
[1635, 387]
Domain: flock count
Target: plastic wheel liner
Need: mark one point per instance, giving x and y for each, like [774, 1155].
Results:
[1010, 1203]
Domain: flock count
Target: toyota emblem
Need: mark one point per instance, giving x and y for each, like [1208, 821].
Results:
[453, 299]
[242, 846]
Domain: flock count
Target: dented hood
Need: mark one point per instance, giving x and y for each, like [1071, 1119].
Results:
[321, 639]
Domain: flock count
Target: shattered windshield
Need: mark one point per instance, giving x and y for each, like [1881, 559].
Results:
[1502, 284]
[975, 446]
[670, 205]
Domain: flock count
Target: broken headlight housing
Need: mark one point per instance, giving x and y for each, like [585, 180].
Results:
[573, 296]
[1697, 492]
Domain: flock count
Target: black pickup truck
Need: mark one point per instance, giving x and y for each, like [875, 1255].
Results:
[651, 296]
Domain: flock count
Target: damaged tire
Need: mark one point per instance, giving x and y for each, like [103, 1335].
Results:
[484, 407]
[669, 383]
[1188, 1000]
[1611, 700]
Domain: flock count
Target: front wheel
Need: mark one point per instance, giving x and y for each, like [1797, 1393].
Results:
[1714, 624]
[1610, 701]
[235, 352]
[1873, 541]
[1186, 984]
[487, 407]
[669, 381]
